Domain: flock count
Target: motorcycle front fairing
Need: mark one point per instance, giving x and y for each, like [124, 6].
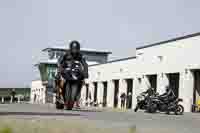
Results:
[66, 74]
[73, 72]
[142, 101]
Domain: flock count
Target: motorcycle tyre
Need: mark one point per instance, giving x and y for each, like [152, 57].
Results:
[168, 112]
[177, 111]
[136, 108]
[152, 108]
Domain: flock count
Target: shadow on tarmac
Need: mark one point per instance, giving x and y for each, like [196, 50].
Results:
[50, 113]
[86, 110]
[37, 114]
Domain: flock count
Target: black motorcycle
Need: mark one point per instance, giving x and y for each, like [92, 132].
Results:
[73, 77]
[175, 107]
[164, 105]
[141, 102]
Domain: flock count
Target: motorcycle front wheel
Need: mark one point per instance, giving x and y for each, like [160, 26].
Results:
[136, 108]
[179, 110]
[152, 108]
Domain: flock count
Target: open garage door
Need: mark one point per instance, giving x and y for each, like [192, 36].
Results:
[129, 91]
[196, 92]
[174, 82]
[116, 92]
[105, 86]
[87, 92]
[153, 81]
[95, 91]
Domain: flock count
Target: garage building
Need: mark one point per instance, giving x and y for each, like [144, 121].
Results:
[174, 62]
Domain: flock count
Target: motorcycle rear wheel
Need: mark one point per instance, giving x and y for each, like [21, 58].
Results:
[168, 112]
[179, 110]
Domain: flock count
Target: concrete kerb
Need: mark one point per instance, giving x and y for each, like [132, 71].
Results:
[111, 109]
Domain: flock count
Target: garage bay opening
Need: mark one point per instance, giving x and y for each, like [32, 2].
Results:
[105, 86]
[153, 81]
[174, 82]
[196, 92]
[87, 93]
[95, 92]
[116, 92]
[129, 92]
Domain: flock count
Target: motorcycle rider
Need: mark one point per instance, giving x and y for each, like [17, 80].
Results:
[150, 91]
[145, 103]
[168, 95]
[67, 60]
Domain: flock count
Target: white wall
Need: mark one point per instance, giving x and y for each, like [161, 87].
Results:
[38, 89]
[178, 56]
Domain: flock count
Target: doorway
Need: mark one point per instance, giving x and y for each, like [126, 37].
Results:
[87, 92]
[95, 92]
[105, 86]
[129, 83]
[196, 90]
[116, 92]
[153, 81]
[174, 82]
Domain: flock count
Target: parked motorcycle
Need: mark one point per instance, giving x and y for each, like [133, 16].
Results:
[142, 101]
[72, 78]
[175, 107]
[164, 105]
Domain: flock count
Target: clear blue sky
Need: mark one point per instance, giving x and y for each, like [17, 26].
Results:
[27, 26]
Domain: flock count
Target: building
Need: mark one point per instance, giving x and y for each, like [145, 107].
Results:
[174, 62]
[42, 90]
[38, 94]
[22, 94]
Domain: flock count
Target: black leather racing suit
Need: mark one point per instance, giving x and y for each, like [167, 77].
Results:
[169, 95]
[67, 60]
[149, 91]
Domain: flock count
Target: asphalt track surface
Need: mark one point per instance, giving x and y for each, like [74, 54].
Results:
[187, 123]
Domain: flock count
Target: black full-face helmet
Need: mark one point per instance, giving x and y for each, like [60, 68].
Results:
[74, 47]
[167, 88]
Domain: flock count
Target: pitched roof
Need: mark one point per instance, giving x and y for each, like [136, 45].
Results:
[170, 40]
[117, 60]
[64, 48]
